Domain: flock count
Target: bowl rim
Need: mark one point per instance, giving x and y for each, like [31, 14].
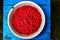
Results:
[42, 23]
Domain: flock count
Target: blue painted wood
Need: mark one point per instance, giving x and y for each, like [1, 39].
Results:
[47, 26]
[13, 2]
[46, 10]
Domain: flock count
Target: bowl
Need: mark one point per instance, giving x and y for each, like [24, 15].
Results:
[21, 4]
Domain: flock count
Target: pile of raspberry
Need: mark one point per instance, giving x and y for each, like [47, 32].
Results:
[26, 20]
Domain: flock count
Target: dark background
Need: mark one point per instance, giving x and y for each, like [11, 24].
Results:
[55, 19]
[1, 15]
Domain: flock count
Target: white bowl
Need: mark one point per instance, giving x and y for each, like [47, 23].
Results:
[31, 4]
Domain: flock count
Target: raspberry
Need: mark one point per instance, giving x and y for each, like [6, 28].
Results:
[26, 20]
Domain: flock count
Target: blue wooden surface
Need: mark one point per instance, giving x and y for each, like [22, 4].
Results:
[45, 34]
[13, 2]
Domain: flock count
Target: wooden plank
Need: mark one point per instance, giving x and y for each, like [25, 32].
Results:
[13, 2]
